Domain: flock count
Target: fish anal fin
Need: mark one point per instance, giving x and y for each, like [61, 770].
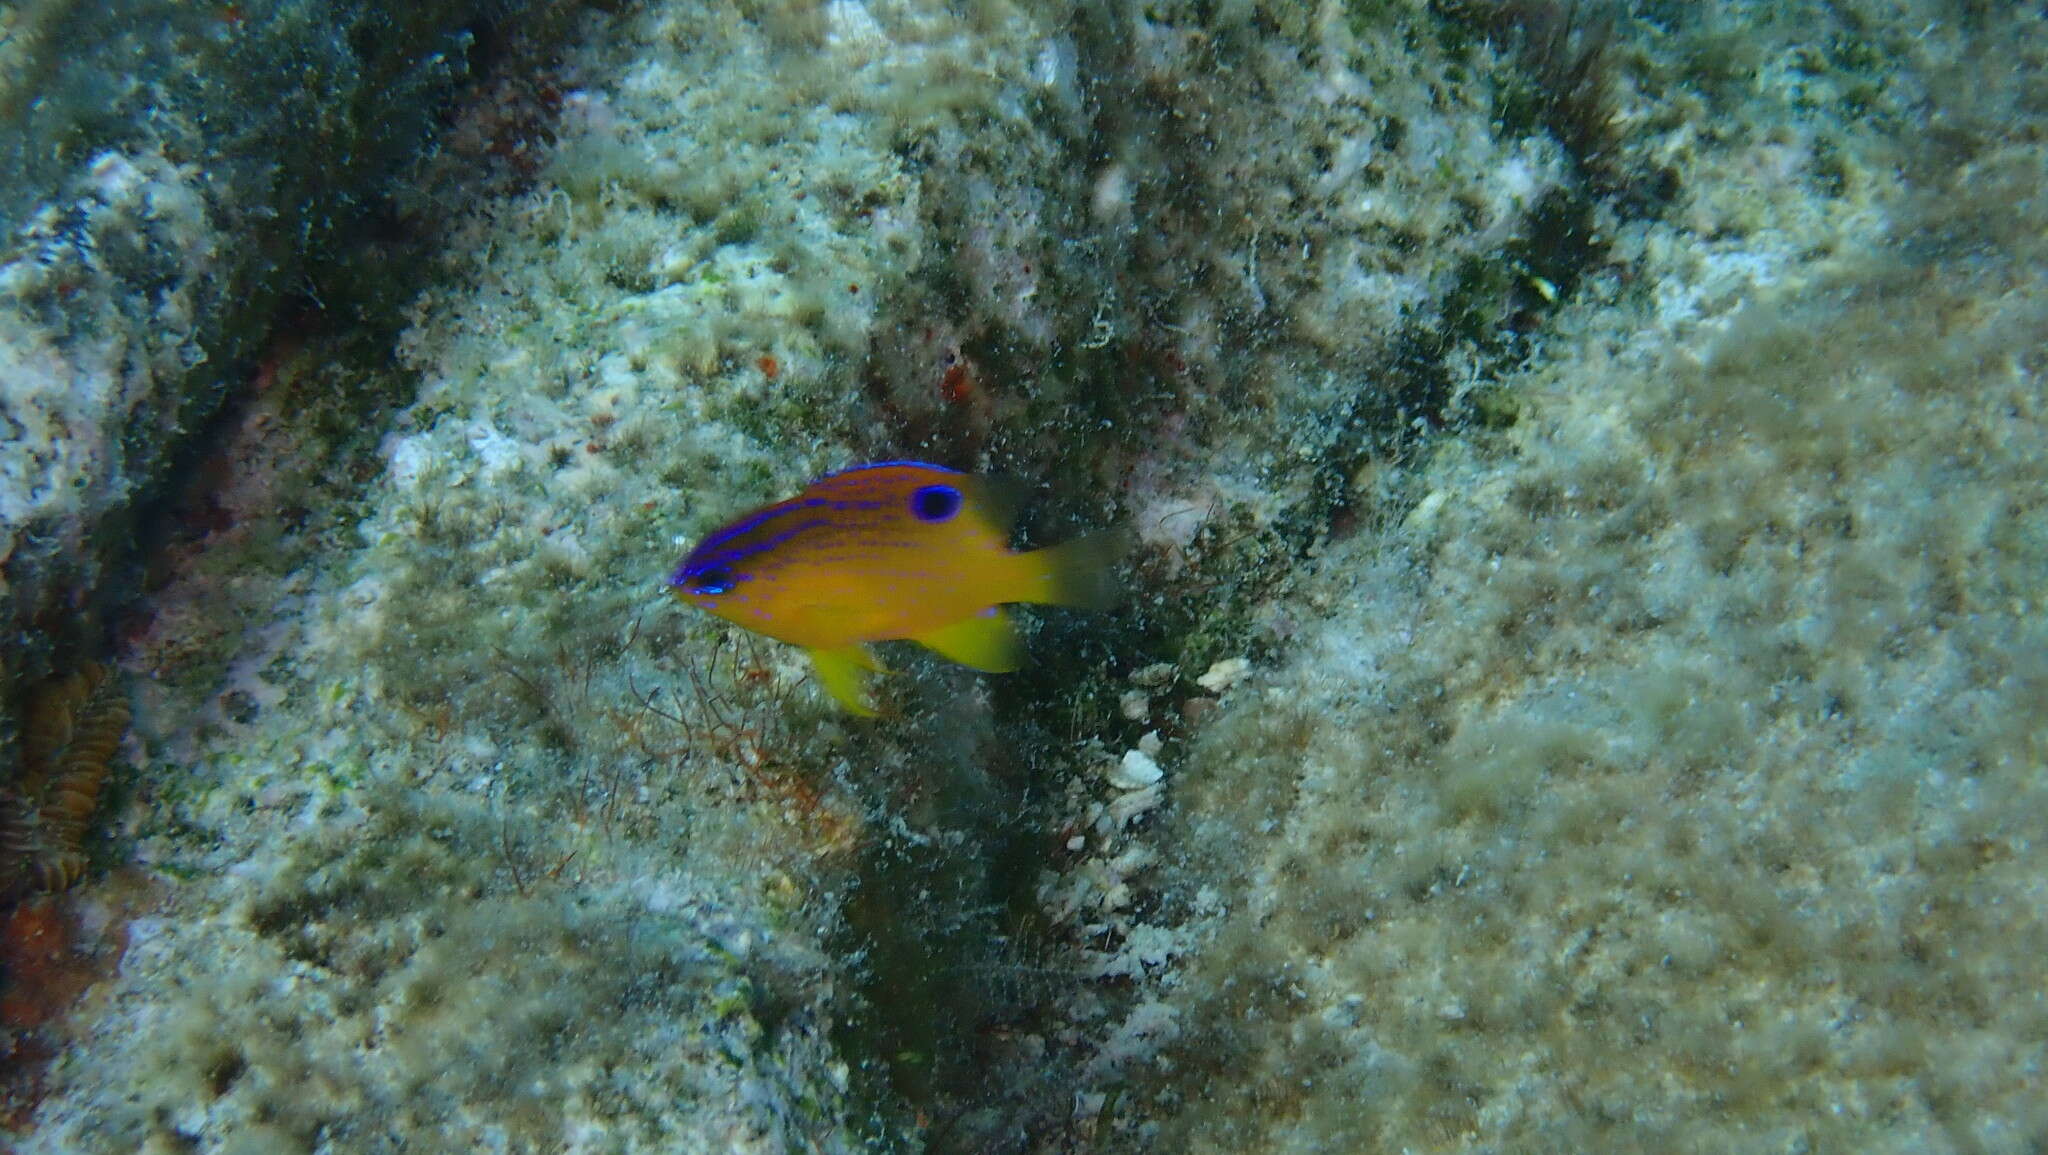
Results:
[844, 674]
[986, 641]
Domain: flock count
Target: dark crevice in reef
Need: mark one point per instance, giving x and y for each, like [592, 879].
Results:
[318, 146]
[954, 962]
[953, 959]
[1496, 310]
[1561, 82]
[318, 354]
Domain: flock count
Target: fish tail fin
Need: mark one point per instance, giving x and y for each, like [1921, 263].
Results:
[1081, 572]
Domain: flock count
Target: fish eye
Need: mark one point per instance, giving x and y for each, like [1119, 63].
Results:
[935, 502]
[712, 582]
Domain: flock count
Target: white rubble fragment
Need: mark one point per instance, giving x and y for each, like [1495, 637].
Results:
[1224, 674]
[1149, 744]
[848, 23]
[1143, 1032]
[500, 453]
[1136, 705]
[408, 459]
[1136, 771]
[1116, 895]
[1153, 676]
[1423, 517]
[1130, 804]
[1133, 859]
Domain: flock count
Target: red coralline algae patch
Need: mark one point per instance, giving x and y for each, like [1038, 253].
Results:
[53, 950]
[40, 976]
[34, 947]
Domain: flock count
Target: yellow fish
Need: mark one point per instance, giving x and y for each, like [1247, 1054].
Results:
[898, 549]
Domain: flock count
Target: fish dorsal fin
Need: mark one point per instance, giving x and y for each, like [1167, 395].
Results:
[1000, 497]
[985, 641]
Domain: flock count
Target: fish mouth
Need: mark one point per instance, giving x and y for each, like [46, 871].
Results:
[704, 578]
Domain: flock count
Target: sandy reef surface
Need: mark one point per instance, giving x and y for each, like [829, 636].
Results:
[1578, 687]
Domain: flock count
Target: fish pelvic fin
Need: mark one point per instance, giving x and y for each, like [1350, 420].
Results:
[844, 672]
[986, 641]
[1079, 573]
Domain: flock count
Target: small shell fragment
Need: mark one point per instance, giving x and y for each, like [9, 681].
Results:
[1424, 515]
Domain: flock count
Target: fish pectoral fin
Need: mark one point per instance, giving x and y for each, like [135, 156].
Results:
[985, 641]
[844, 674]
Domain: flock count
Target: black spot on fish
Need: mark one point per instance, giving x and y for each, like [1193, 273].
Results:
[935, 502]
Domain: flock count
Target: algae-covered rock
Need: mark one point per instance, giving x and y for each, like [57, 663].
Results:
[1573, 689]
[1624, 773]
[179, 178]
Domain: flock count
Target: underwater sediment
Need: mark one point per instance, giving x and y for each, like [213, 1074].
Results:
[1575, 687]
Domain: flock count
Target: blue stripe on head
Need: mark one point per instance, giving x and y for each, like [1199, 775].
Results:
[887, 465]
[738, 528]
[708, 569]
